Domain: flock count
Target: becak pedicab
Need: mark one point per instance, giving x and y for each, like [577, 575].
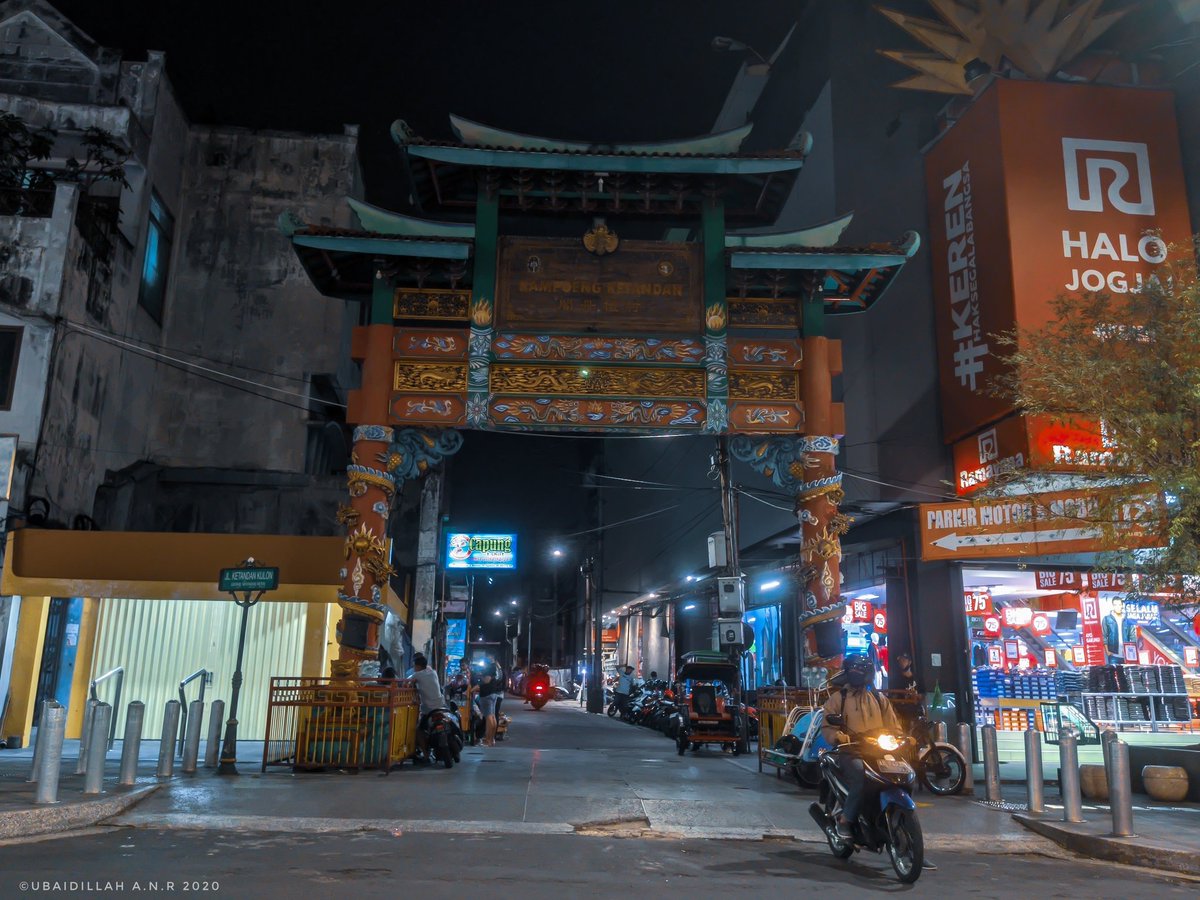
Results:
[709, 708]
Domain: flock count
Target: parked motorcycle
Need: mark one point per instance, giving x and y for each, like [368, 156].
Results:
[888, 820]
[443, 736]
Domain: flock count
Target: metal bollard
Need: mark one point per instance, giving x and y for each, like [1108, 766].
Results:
[166, 744]
[84, 734]
[1034, 788]
[212, 749]
[940, 732]
[93, 779]
[1068, 765]
[131, 745]
[54, 720]
[991, 765]
[1106, 742]
[39, 745]
[191, 741]
[966, 745]
[1120, 790]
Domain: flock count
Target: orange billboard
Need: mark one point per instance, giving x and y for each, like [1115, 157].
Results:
[1042, 524]
[1036, 443]
[1042, 189]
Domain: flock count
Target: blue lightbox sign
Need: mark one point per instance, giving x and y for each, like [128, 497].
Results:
[481, 551]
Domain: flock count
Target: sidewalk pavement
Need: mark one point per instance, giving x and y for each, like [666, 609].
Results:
[561, 772]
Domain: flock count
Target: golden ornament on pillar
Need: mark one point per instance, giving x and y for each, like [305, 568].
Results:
[363, 542]
[348, 516]
[599, 240]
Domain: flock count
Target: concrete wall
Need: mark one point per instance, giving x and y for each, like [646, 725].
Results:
[240, 300]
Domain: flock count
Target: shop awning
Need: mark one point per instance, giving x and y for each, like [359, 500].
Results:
[165, 565]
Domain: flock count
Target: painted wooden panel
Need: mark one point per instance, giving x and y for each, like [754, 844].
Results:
[432, 409]
[769, 353]
[509, 345]
[753, 416]
[421, 343]
[430, 303]
[159, 642]
[618, 414]
[762, 385]
[429, 377]
[597, 381]
[762, 312]
[640, 287]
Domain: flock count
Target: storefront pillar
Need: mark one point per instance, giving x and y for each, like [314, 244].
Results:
[85, 655]
[316, 639]
[27, 664]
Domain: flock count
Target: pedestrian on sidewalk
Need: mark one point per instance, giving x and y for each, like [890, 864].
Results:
[490, 691]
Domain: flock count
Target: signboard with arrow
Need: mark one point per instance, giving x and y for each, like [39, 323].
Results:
[1082, 521]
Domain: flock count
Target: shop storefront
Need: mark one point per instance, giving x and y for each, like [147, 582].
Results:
[1040, 637]
[91, 602]
[762, 660]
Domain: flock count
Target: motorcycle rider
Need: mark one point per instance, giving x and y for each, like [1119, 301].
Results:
[862, 710]
[429, 691]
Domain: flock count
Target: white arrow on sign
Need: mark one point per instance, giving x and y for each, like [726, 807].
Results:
[953, 540]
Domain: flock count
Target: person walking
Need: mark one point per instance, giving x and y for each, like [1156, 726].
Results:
[490, 691]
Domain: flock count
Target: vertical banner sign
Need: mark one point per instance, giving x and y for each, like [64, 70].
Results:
[1093, 635]
[1042, 189]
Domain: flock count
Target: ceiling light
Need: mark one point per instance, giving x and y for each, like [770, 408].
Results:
[652, 595]
[688, 606]
[769, 585]
[866, 597]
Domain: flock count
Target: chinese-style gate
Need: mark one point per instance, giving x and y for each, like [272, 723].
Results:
[472, 326]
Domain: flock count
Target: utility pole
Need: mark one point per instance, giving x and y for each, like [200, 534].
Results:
[729, 518]
[595, 700]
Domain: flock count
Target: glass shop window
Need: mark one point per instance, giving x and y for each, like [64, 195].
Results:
[160, 232]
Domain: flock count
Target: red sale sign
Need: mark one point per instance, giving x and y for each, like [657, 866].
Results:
[994, 657]
[1017, 616]
[1191, 657]
[1041, 624]
[978, 603]
[880, 621]
[1051, 659]
[991, 626]
[861, 611]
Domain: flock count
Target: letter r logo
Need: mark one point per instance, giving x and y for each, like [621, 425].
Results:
[1085, 183]
[989, 449]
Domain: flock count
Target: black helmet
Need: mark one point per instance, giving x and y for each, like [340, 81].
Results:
[858, 668]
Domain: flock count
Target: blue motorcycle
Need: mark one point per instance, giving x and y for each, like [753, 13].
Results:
[888, 820]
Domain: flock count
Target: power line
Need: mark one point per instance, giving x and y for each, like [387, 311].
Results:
[164, 357]
[623, 521]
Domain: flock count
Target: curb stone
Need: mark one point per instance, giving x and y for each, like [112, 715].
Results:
[67, 816]
[1114, 849]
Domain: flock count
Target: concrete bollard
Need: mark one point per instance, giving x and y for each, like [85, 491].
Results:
[54, 720]
[991, 765]
[966, 745]
[131, 745]
[84, 735]
[93, 779]
[1068, 773]
[166, 744]
[1120, 789]
[940, 733]
[212, 749]
[39, 745]
[1034, 788]
[191, 740]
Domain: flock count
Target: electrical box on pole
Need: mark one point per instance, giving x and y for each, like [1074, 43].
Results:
[731, 596]
[717, 557]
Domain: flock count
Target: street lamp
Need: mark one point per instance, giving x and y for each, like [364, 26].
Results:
[251, 579]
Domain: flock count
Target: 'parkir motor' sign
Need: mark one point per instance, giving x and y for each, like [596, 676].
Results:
[1082, 521]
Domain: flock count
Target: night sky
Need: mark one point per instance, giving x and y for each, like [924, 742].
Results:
[620, 70]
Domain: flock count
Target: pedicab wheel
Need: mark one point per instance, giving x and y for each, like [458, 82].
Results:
[906, 845]
[807, 774]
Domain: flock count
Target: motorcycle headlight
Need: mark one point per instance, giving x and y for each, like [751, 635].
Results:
[887, 742]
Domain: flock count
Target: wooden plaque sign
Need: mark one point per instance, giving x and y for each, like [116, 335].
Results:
[642, 287]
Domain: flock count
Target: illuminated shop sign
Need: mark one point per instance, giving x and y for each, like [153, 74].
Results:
[481, 551]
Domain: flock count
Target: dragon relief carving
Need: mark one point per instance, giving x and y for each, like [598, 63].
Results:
[570, 380]
[422, 376]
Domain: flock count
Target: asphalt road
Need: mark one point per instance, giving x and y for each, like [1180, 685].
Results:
[111, 861]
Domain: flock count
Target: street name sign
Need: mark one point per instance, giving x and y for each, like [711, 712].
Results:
[1042, 524]
[250, 578]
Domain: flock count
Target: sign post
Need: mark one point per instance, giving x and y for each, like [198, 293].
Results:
[252, 581]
